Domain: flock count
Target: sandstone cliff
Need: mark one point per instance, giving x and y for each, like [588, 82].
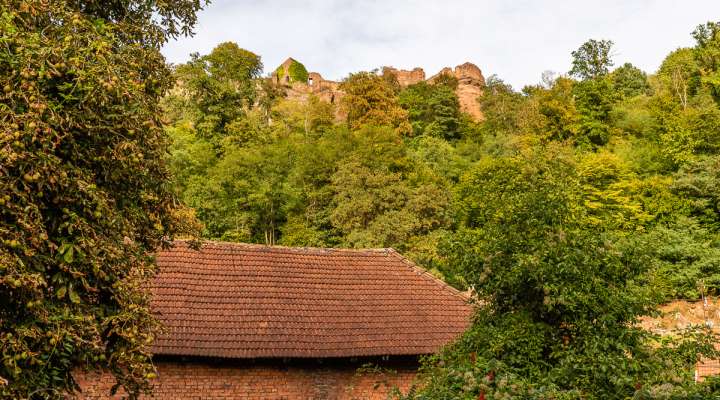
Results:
[470, 84]
[406, 78]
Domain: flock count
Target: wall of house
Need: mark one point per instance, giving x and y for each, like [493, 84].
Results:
[267, 380]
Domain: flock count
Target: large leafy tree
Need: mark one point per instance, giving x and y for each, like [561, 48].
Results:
[375, 204]
[684, 104]
[679, 76]
[592, 60]
[84, 198]
[629, 81]
[370, 100]
[434, 109]
[220, 87]
[594, 99]
[707, 53]
[558, 299]
[244, 196]
[500, 106]
[557, 106]
[594, 95]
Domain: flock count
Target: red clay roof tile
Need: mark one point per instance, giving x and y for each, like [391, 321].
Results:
[250, 301]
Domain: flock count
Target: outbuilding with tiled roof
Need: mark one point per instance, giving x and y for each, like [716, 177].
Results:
[268, 322]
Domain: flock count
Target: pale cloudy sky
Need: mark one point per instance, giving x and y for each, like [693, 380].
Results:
[515, 39]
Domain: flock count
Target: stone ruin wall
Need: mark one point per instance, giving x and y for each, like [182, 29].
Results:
[470, 86]
[406, 78]
[324, 89]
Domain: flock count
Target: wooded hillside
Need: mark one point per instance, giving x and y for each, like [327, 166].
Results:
[573, 208]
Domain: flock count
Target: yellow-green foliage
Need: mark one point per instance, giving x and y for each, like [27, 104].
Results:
[370, 101]
[297, 72]
[571, 210]
[84, 188]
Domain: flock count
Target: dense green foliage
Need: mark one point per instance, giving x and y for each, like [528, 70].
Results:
[84, 190]
[603, 207]
[220, 87]
[572, 210]
[296, 73]
[434, 110]
[304, 173]
[592, 60]
[371, 100]
[561, 292]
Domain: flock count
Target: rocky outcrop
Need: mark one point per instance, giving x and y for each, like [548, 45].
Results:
[470, 84]
[404, 77]
[469, 73]
[470, 87]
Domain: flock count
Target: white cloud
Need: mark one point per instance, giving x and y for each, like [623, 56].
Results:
[516, 39]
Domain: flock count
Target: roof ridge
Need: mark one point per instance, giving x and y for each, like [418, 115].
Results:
[386, 250]
[427, 275]
[297, 248]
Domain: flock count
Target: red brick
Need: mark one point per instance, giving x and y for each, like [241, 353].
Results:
[267, 380]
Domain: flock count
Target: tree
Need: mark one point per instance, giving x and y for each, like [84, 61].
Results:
[594, 100]
[370, 100]
[679, 75]
[685, 257]
[433, 109]
[629, 81]
[312, 117]
[707, 54]
[500, 105]
[84, 192]
[557, 106]
[375, 204]
[221, 87]
[558, 301]
[609, 192]
[687, 124]
[245, 195]
[592, 60]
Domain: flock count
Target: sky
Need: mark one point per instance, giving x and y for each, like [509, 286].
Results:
[514, 39]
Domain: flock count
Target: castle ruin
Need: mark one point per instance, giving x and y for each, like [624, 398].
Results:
[470, 84]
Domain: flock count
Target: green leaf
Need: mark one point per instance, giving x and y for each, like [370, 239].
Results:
[74, 297]
[61, 292]
[68, 256]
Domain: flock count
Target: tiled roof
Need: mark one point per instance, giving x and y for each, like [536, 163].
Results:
[249, 301]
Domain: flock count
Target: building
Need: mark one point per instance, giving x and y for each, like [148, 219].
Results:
[257, 322]
[300, 85]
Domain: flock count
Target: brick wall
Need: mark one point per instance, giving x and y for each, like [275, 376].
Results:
[267, 380]
[707, 368]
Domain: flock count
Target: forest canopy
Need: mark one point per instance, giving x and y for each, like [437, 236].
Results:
[568, 212]
[572, 209]
[85, 194]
